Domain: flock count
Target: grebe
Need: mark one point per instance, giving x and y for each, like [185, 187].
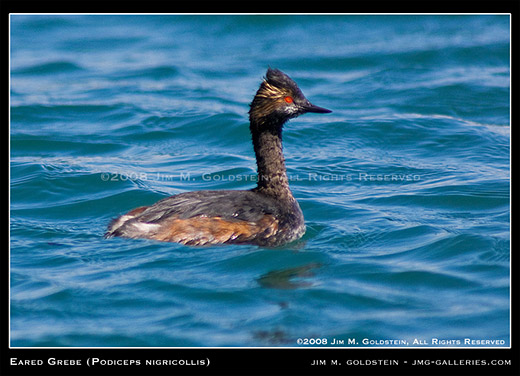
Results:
[267, 215]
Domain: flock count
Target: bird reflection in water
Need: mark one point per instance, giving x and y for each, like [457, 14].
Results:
[287, 279]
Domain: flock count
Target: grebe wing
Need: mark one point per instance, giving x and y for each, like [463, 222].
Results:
[201, 218]
[230, 205]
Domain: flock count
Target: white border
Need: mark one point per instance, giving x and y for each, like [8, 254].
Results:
[274, 14]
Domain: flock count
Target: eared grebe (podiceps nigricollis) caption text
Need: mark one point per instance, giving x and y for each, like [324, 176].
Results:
[267, 215]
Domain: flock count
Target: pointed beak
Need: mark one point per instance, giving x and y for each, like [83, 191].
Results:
[309, 107]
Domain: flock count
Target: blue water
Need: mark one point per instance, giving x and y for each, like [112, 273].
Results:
[405, 187]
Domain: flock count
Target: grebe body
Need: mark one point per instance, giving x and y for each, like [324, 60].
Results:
[267, 215]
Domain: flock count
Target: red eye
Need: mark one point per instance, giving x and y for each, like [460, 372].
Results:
[288, 99]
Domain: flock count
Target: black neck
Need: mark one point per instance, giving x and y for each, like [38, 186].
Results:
[272, 174]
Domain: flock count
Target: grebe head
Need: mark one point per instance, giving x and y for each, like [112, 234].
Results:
[279, 99]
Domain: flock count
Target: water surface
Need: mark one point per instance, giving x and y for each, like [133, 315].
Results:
[405, 187]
